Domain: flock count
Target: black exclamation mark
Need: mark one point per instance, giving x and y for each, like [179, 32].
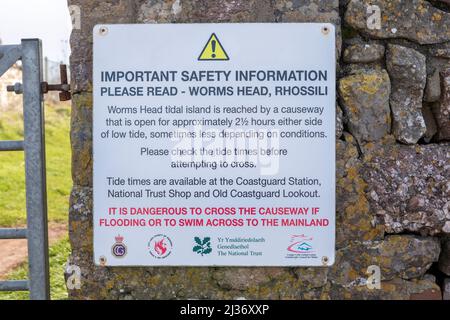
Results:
[213, 44]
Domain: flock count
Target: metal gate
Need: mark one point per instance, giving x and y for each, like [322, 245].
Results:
[29, 52]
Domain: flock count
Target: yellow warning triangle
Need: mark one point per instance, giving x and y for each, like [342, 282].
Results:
[213, 50]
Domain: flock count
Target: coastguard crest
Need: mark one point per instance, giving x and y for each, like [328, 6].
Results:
[119, 249]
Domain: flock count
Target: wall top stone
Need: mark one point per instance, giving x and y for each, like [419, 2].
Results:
[416, 20]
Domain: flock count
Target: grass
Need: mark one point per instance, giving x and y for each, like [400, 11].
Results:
[12, 176]
[12, 188]
[58, 254]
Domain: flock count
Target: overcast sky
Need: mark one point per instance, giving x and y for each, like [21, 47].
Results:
[48, 20]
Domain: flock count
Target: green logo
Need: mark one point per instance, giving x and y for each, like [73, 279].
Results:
[202, 246]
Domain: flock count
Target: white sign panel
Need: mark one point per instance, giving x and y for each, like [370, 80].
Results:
[214, 144]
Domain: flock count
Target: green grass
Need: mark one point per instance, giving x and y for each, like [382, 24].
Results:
[12, 175]
[58, 254]
[12, 188]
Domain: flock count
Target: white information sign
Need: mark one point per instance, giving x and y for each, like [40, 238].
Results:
[214, 144]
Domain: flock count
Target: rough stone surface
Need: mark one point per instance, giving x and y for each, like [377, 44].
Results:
[444, 1]
[209, 10]
[352, 261]
[396, 289]
[444, 259]
[409, 187]
[433, 88]
[365, 100]
[362, 68]
[437, 63]
[81, 137]
[80, 219]
[312, 277]
[407, 71]
[363, 53]
[442, 108]
[440, 50]
[415, 20]
[430, 123]
[427, 294]
[353, 214]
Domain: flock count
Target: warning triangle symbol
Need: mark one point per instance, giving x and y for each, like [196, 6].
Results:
[213, 50]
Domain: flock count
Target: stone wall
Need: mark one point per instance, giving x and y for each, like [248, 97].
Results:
[393, 161]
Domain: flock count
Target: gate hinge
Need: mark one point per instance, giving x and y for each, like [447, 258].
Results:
[63, 87]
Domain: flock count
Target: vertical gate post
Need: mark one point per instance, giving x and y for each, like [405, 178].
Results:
[35, 174]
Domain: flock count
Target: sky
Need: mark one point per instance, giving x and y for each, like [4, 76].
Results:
[48, 20]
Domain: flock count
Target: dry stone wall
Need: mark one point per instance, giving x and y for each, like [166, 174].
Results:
[393, 154]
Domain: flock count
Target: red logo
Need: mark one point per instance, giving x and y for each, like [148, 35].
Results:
[160, 246]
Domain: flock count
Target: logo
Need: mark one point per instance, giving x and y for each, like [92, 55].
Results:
[119, 250]
[202, 247]
[300, 244]
[160, 246]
